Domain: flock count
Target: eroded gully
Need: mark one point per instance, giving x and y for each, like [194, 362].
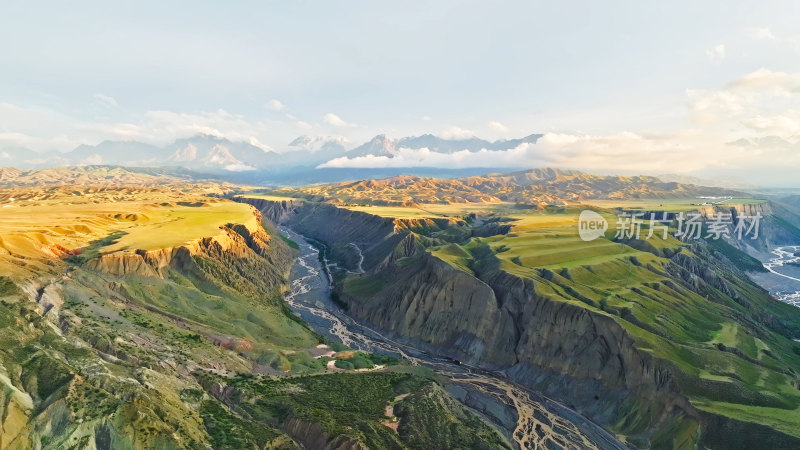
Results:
[539, 421]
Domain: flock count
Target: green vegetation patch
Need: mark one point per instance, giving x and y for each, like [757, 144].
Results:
[739, 258]
[354, 406]
[289, 242]
[364, 287]
[94, 248]
[229, 431]
[430, 415]
[8, 288]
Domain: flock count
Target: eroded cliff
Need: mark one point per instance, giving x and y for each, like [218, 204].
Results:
[628, 360]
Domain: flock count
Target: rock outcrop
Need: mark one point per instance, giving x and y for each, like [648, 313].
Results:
[235, 240]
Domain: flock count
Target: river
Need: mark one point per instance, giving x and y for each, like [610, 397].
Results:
[540, 421]
[785, 263]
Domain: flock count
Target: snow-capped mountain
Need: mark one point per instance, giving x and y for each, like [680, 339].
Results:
[328, 144]
[382, 145]
[213, 154]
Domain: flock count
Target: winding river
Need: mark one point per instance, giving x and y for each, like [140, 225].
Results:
[539, 421]
[778, 265]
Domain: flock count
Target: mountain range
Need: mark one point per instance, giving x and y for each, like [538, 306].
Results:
[213, 154]
[545, 186]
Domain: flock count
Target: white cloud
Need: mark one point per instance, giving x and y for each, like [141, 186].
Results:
[276, 105]
[774, 83]
[761, 34]
[758, 104]
[256, 143]
[316, 143]
[620, 152]
[767, 35]
[106, 100]
[93, 159]
[716, 54]
[239, 168]
[456, 133]
[426, 118]
[725, 140]
[780, 125]
[498, 127]
[764, 102]
[51, 130]
[333, 119]
[684, 152]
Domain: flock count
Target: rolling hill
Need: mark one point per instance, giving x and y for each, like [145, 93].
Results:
[152, 316]
[532, 187]
[666, 343]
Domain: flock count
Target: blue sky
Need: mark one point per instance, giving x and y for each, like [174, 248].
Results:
[642, 74]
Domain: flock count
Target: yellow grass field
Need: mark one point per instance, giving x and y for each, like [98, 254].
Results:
[269, 197]
[34, 230]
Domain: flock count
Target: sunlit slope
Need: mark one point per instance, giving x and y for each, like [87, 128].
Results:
[728, 347]
[66, 220]
[108, 357]
[118, 303]
[95, 176]
[679, 322]
[532, 187]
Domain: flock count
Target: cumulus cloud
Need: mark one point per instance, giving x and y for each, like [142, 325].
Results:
[764, 102]
[36, 129]
[51, 130]
[623, 151]
[106, 100]
[276, 105]
[167, 125]
[333, 119]
[684, 152]
[498, 127]
[734, 134]
[239, 168]
[781, 125]
[716, 54]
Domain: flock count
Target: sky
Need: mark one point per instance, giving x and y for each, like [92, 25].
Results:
[649, 87]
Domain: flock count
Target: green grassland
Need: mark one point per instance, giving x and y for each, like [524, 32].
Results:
[432, 210]
[733, 353]
[354, 407]
[112, 358]
[669, 204]
[171, 226]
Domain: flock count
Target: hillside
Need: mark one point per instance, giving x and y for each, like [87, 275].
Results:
[533, 187]
[665, 343]
[153, 317]
[91, 176]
